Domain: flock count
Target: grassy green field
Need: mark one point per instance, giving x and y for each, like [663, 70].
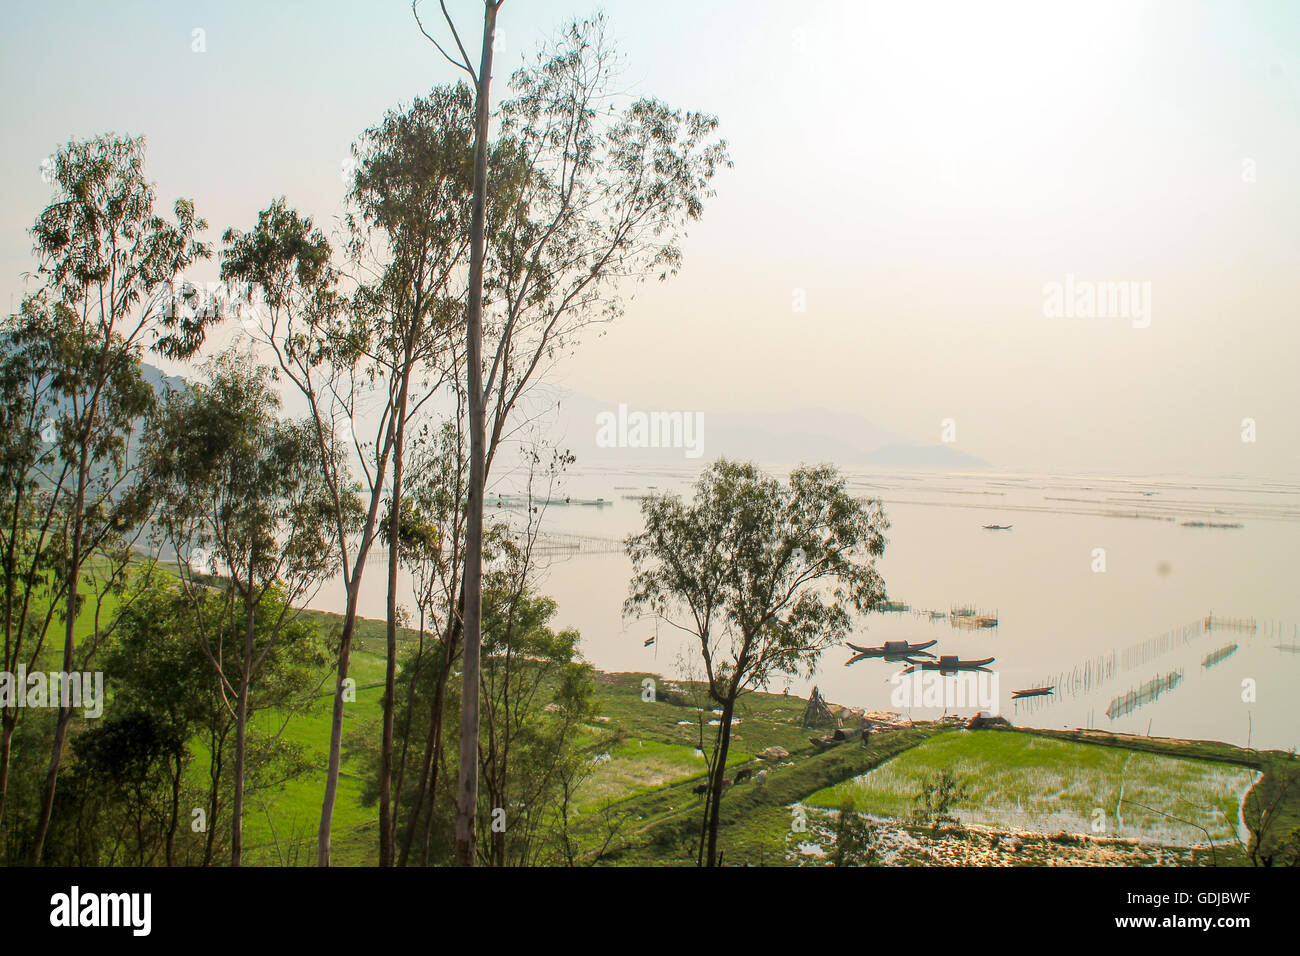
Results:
[1022, 782]
[634, 765]
[646, 761]
[1044, 786]
[282, 826]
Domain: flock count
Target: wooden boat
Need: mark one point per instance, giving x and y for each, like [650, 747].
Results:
[890, 649]
[997, 527]
[1031, 692]
[893, 647]
[950, 662]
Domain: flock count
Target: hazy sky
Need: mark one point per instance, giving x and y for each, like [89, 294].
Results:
[919, 171]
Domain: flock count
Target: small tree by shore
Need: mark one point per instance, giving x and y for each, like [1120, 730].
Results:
[764, 575]
[936, 796]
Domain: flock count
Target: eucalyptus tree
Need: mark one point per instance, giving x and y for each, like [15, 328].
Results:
[536, 688]
[581, 198]
[352, 345]
[31, 519]
[164, 747]
[431, 539]
[590, 197]
[472, 601]
[764, 575]
[408, 236]
[319, 342]
[537, 698]
[108, 265]
[244, 497]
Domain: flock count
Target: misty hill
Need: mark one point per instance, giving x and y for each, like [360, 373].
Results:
[161, 381]
[786, 437]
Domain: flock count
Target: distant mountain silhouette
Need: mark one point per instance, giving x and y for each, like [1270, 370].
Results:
[161, 381]
[785, 437]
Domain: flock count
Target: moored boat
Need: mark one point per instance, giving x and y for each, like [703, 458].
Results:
[890, 649]
[1031, 692]
[841, 736]
[950, 662]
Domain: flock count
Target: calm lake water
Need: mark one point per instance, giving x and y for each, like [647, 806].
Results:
[1127, 648]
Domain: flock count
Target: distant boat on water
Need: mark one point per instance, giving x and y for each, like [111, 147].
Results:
[1031, 692]
[890, 649]
[997, 527]
[950, 662]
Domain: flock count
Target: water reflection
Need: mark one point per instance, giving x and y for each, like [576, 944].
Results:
[1059, 622]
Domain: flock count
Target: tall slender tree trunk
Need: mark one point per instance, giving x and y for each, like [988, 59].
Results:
[336, 721]
[387, 827]
[719, 774]
[704, 822]
[172, 823]
[218, 746]
[7, 727]
[241, 733]
[69, 654]
[427, 791]
[467, 800]
[344, 657]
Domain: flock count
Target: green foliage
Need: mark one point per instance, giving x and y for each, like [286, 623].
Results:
[33, 554]
[1272, 811]
[855, 838]
[281, 255]
[935, 797]
[100, 234]
[409, 208]
[537, 696]
[241, 485]
[133, 777]
[763, 573]
[107, 270]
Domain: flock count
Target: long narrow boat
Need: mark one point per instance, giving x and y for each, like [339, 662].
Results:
[949, 662]
[997, 527]
[890, 649]
[1031, 692]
